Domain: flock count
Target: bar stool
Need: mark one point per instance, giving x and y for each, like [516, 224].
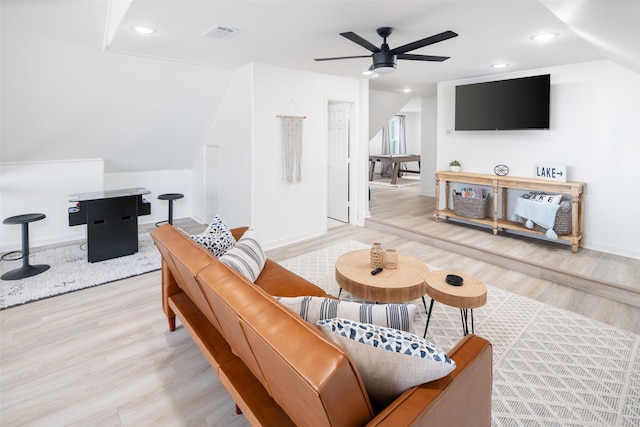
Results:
[26, 270]
[170, 197]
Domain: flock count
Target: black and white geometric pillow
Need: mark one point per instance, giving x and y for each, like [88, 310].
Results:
[217, 238]
[389, 361]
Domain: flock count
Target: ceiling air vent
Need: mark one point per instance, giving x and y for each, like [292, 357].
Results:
[220, 32]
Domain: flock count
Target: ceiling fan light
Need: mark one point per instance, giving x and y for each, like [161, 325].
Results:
[385, 69]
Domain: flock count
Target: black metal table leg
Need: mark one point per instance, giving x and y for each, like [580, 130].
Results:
[464, 314]
[428, 318]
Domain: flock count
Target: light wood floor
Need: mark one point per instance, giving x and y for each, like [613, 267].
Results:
[104, 357]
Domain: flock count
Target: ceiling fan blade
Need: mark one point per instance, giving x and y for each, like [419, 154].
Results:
[424, 42]
[342, 57]
[362, 42]
[423, 57]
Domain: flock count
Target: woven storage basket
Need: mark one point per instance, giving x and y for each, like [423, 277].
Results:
[562, 226]
[469, 207]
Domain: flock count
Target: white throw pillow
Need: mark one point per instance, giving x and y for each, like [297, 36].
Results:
[389, 361]
[246, 257]
[217, 238]
[312, 309]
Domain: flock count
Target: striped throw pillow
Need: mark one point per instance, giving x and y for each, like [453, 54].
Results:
[313, 309]
[246, 257]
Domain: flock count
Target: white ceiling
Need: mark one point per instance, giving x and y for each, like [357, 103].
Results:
[292, 33]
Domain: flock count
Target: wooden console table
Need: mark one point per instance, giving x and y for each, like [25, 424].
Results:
[498, 218]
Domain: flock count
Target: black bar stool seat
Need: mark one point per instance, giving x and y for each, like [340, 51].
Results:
[170, 197]
[27, 270]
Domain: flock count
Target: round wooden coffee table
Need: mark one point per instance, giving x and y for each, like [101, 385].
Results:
[406, 283]
[471, 294]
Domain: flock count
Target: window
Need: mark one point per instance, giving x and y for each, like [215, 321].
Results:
[394, 135]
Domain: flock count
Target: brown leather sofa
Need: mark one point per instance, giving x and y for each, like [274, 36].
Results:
[282, 371]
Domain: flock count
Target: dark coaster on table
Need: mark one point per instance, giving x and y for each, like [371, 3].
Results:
[453, 280]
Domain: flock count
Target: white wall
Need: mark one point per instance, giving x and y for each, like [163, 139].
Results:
[287, 212]
[429, 145]
[413, 129]
[44, 187]
[594, 117]
[231, 129]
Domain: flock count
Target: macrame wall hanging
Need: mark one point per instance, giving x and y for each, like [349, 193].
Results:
[291, 134]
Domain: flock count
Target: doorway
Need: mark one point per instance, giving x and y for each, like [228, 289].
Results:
[338, 153]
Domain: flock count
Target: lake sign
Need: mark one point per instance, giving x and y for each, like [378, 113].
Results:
[551, 172]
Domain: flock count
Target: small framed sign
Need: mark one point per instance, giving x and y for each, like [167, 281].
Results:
[551, 172]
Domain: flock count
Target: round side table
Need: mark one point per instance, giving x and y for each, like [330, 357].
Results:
[170, 197]
[27, 270]
[471, 294]
[406, 283]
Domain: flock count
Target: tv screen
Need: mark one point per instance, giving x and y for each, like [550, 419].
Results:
[521, 103]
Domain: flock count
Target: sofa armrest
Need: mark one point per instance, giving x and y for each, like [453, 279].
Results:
[462, 398]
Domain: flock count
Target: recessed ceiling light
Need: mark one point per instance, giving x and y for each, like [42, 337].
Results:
[545, 37]
[499, 65]
[143, 30]
[407, 90]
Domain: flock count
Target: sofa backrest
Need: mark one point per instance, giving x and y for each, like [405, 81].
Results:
[223, 277]
[312, 379]
[184, 258]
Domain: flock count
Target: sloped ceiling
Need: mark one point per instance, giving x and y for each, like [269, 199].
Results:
[77, 82]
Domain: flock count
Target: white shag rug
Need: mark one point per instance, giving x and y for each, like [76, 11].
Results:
[70, 271]
[551, 367]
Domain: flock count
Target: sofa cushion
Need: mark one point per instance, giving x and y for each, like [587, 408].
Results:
[390, 361]
[217, 238]
[246, 257]
[312, 309]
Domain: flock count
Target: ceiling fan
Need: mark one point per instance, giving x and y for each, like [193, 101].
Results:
[384, 59]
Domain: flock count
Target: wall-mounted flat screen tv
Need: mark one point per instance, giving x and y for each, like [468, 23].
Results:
[521, 103]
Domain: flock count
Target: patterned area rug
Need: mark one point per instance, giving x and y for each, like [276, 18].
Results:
[551, 367]
[70, 271]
